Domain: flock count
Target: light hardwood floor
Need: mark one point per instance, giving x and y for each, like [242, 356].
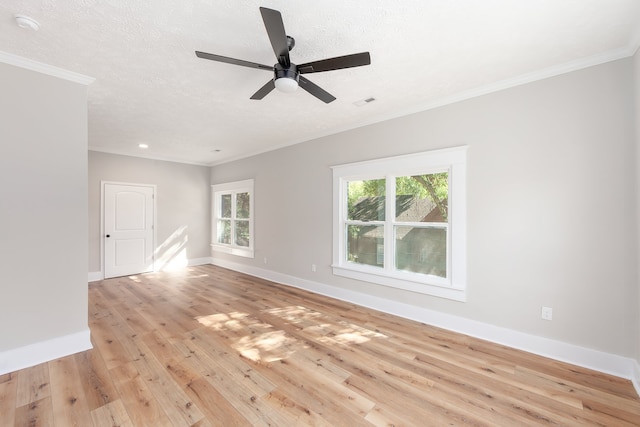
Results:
[207, 346]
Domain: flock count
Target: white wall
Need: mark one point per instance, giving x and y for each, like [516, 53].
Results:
[43, 212]
[551, 216]
[183, 205]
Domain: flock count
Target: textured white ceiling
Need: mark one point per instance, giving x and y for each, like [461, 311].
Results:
[151, 88]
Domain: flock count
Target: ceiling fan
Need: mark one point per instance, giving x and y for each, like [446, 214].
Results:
[287, 75]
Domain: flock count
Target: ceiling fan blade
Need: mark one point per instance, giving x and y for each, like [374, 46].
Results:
[337, 63]
[233, 61]
[316, 90]
[264, 90]
[277, 36]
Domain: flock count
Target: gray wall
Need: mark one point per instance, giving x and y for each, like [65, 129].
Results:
[182, 201]
[43, 207]
[551, 216]
[636, 75]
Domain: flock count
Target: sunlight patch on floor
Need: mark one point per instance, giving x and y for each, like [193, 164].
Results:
[263, 342]
[267, 347]
[233, 321]
[324, 328]
[351, 335]
[294, 314]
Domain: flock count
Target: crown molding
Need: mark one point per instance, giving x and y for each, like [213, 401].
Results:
[43, 68]
[144, 156]
[523, 79]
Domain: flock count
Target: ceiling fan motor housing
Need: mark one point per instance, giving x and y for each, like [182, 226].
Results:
[290, 72]
[286, 79]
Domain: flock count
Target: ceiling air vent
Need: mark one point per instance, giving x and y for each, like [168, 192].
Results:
[364, 101]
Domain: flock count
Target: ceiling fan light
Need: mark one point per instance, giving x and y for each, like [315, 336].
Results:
[286, 84]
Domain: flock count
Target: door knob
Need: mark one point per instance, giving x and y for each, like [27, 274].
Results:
[108, 235]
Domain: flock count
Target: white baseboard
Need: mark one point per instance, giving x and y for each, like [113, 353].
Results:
[199, 261]
[581, 356]
[41, 352]
[636, 377]
[94, 276]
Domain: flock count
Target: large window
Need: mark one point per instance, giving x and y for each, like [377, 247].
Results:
[400, 222]
[233, 218]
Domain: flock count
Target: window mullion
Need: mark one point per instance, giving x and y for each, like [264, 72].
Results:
[251, 235]
[389, 215]
[343, 206]
[233, 218]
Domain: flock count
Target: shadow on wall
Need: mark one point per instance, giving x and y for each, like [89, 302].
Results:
[172, 253]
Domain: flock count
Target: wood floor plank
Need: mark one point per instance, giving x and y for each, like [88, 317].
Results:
[336, 389]
[383, 417]
[563, 385]
[333, 402]
[38, 413]
[506, 398]
[241, 394]
[70, 407]
[230, 361]
[167, 324]
[478, 377]
[96, 379]
[163, 350]
[33, 385]
[172, 399]
[299, 414]
[7, 377]
[130, 313]
[143, 408]
[478, 365]
[110, 415]
[99, 305]
[104, 340]
[214, 405]
[597, 381]
[8, 397]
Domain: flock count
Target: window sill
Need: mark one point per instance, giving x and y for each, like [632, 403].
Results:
[419, 286]
[243, 252]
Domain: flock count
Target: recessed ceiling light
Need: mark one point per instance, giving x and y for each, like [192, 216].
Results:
[143, 146]
[27, 22]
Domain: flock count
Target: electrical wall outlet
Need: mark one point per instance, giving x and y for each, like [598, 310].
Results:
[313, 268]
[547, 313]
[265, 260]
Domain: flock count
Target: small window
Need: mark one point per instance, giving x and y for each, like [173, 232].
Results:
[233, 218]
[400, 222]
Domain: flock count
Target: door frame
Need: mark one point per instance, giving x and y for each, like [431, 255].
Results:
[102, 235]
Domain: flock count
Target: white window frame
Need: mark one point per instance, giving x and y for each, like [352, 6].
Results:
[232, 188]
[451, 160]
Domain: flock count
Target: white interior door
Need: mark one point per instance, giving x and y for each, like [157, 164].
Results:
[128, 229]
